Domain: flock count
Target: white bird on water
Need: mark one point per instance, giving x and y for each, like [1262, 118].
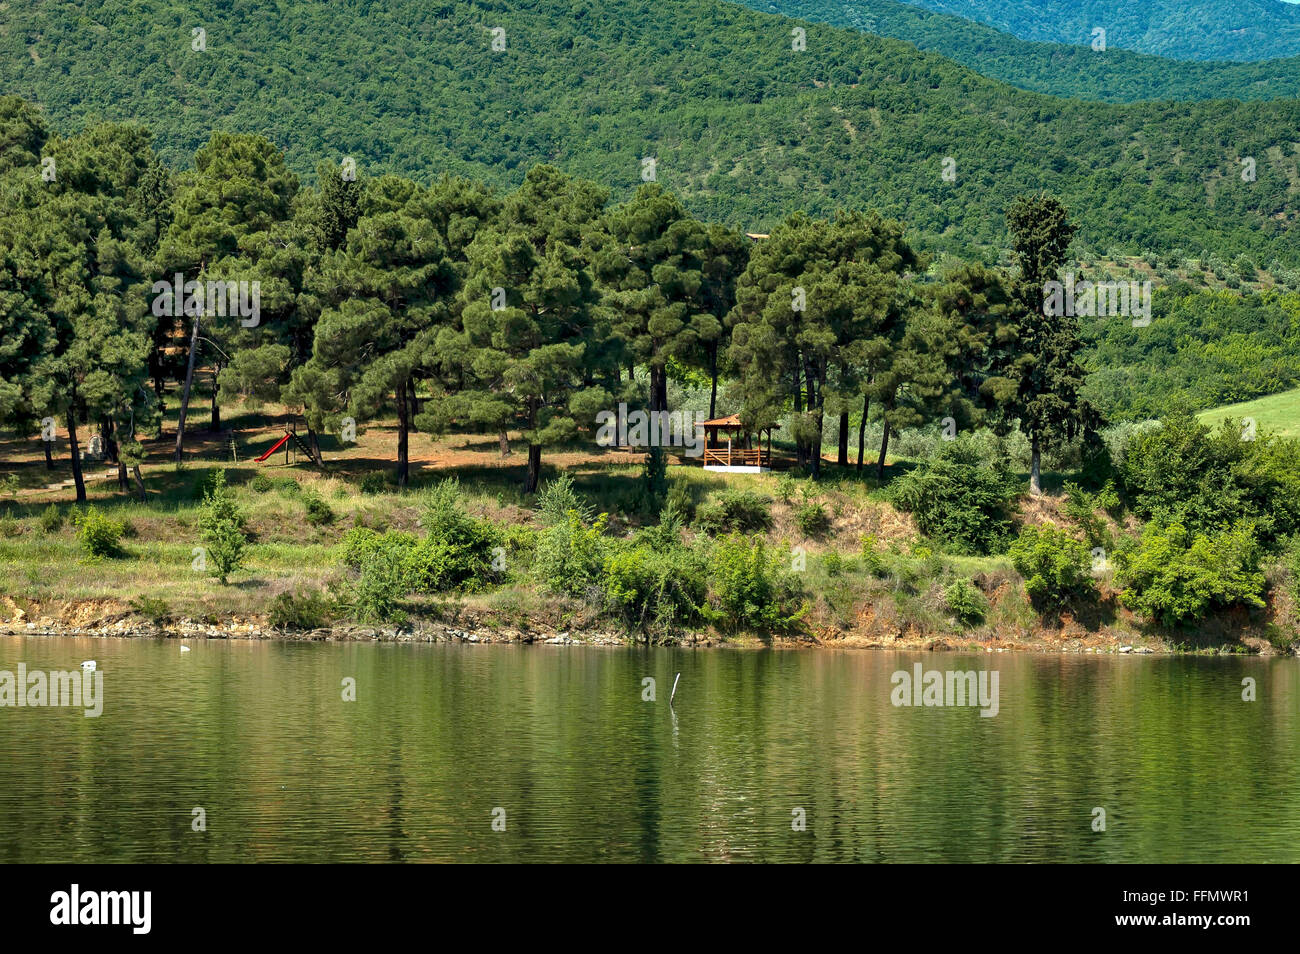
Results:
[88, 665]
[185, 649]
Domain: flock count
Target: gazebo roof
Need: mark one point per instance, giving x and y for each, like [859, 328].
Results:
[731, 420]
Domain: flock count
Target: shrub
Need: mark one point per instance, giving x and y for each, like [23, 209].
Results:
[1081, 507]
[558, 498]
[1055, 566]
[374, 596]
[98, 535]
[221, 525]
[260, 483]
[300, 611]
[654, 590]
[571, 555]
[151, 608]
[812, 519]
[375, 483]
[318, 511]
[965, 603]
[735, 511]
[1176, 575]
[785, 488]
[360, 543]
[751, 590]
[51, 519]
[286, 485]
[1207, 480]
[964, 506]
[680, 499]
[833, 563]
[459, 552]
[205, 484]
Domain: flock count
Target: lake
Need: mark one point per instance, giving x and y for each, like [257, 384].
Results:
[763, 756]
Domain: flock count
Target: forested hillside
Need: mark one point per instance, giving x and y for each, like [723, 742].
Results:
[1202, 349]
[1186, 29]
[742, 126]
[1061, 69]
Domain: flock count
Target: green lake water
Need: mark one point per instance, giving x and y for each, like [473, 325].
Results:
[557, 743]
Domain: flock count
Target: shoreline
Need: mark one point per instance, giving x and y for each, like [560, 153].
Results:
[482, 635]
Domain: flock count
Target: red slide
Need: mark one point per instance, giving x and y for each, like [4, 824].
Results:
[274, 447]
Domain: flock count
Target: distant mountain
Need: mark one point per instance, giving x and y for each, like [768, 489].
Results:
[1182, 29]
[1116, 75]
[744, 127]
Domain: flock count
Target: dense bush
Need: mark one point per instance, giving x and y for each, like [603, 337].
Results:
[965, 603]
[375, 595]
[963, 506]
[735, 511]
[751, 589]
[1176, 575]
[459, 551]
[360, 543]
[1208, 479]
[1054, 564]
[318, 511]
[570, 555]
[260, 483]
[99, 536]
[654, 590]
[812, 519]
[300, 611]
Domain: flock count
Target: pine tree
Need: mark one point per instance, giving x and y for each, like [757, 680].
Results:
[240, 186]
[531, 314]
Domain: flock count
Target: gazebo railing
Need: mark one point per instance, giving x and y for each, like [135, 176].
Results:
[737, 457]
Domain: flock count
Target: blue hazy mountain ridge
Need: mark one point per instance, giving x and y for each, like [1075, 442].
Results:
[1181, 29]
[1059, 69]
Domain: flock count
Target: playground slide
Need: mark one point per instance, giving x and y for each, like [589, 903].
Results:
[274, 447]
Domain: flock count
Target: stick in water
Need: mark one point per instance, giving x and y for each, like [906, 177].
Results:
[674, 692]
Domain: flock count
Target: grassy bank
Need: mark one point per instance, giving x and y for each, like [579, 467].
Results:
[838, 563]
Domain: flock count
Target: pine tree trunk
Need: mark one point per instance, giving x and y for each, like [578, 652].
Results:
[108, 440]
[313, 439]
[843, 459]
[658, 389]
[713, 387]
[185, 392]
[139, 481]
[76, 455]
[504, 439]
[862, 429]
[214, 418]
[534, 468]
[403, 427]
[800, 449]
[1035, 468]
[884, 449]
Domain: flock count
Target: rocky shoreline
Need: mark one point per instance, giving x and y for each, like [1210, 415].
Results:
[441, 633]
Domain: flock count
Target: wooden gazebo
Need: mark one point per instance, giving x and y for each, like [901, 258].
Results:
[733, 452]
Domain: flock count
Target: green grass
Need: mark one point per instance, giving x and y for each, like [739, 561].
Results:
[1278, 413]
